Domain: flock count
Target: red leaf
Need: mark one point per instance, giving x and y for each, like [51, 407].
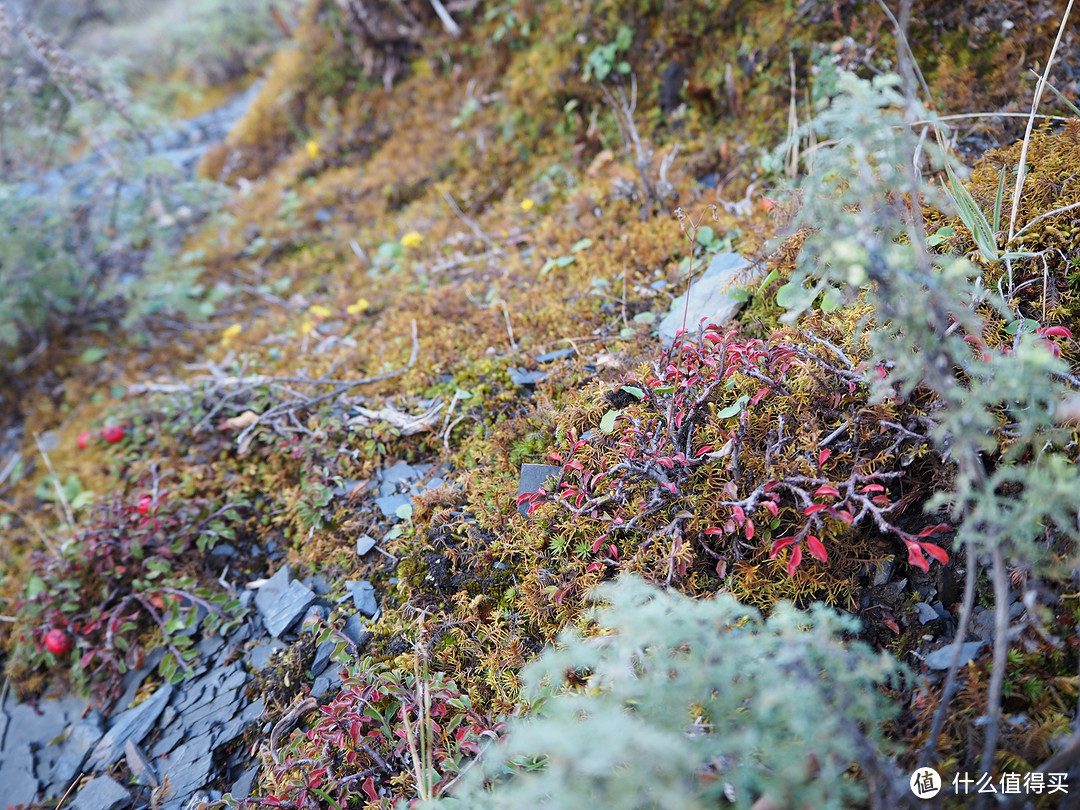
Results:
[817, 507]
[816, 549]
[915, 556]
[706, 449]
[823, 456]
[891, 625]
[771, 507]
[574, 464]
[614, 551]
[598, 542]
[714, 530]
[740, 516]
[780, 545]
[749, 529]
[881, 500]
[937, 552]
[1056, 331]
[369, 789]
[872, 488]
[555, 457]
[596, 566]
[761, 392]
[932, 530]
[794, 560]
[827, 489]
[843, 514]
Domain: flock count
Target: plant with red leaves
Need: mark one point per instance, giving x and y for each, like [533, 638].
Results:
[646, 472]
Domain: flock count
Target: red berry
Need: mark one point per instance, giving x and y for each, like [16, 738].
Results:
[57, 641]
[145, 504]
[112, 434]
[84, 439]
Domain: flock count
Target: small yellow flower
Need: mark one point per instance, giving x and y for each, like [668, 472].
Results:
[361, 305]
[312, 148]
[526, 204]
[231, 332]
[412, 239]
[306, 327]
[319, 312]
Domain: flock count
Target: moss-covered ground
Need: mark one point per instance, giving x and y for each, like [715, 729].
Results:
[421, 217]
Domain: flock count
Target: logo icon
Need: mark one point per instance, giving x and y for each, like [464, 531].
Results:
[925, 783]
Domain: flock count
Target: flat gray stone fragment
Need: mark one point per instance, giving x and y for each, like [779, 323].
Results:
[398, 475]
[260, 655]
[133, 724]
[534, 476]
[354, 631]
[17, 779]
[363, 594]
[325, 684]
[709, 298]
[74, 750]
[521, 377]
[237, 725]
[139, 765]
[926, 613]
[241, 788]
[940, 659]
[389, 504]
[364, 544]
[271, 590]
[101, 793]
[286, 609]
[322, 656]
[558, 354]
[188, 768]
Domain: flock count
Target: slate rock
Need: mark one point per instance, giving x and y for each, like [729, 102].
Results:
[322, 656]
[20, 786]
[74, 750]
[389, 504]
[133, 724]
[188, 768]
[101, 793]
[927, 614]
[271, 590]
[238, 723]
[141, 768]
[709, 298]
[941, 658]
[534, 476]
[287, 608]
[363, 594]
[315, 617]
[558, 354]
[523, 378]
[259, 656]
[241, 788]
[397, 476]
[328, 683]
[364, 544]
[354, 631]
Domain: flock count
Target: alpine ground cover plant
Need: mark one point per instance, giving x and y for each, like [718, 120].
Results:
[126, 582]
[678, 703]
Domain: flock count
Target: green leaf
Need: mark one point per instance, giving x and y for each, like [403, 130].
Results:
[734, 408]
[791, 295]
[633, 391]
[93, 354]
[705, 235]
[645, 317]
[607, 422]
[581, 244]
[405, 511]
[829, 301]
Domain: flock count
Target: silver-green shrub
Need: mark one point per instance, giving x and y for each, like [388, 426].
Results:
[693, 703]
